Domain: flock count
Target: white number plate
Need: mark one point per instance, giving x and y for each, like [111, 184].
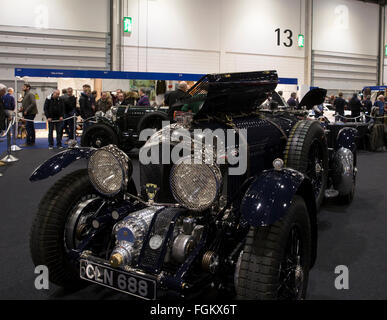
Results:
[119, 280]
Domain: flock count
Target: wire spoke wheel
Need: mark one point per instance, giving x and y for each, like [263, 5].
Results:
[291, 275]
[98, 136]
[315, 168]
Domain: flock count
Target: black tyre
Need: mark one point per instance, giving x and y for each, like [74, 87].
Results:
[275, 261]
[48, 242]
[152, 120]
[99, 135]
[307, 152]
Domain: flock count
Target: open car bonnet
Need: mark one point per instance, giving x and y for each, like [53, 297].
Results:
[232, 92]
[313, 98]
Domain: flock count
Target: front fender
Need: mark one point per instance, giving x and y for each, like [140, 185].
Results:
[60, 161]
[270, 195]
[346, 138]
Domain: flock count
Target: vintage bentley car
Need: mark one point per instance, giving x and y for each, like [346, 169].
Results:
[121, 126]
[247, 228]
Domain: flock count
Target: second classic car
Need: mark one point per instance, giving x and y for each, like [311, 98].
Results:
[121, 126]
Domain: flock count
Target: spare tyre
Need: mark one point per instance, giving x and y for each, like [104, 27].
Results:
[99, 135]
[152, 120]
[307, 151]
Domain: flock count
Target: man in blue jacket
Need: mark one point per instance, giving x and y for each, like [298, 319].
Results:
[9, 103]
[380, 104]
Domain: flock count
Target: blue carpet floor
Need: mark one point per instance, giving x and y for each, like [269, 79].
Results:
[40, 143]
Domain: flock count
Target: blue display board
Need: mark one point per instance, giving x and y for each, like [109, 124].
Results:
[96, 74]
[376, 88]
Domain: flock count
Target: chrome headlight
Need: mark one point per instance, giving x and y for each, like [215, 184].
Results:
[195, 186]
[109, 170]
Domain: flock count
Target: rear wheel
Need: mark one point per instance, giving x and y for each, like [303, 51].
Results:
[99, 135]
[60, 226]
[307, 152]
[275, 261]
[347, 198]
[152, 120]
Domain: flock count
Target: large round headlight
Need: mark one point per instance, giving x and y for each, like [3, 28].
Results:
[195, 186]
[109, 170]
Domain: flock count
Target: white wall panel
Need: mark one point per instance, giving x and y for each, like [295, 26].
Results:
[51, 48]
[213, 36]
[43, 41]
[343, 71]
[170, 60]
[345, 44]
[84, 15]
[287, 67]
[345, 26]
[385, 72]
[249, 26]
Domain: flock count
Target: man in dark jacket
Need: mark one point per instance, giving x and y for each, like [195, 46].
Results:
[104, 103]
[367, 104]
[85, 105]
[70, 104]
[29, 110]
[54, 111]
[339, 105]
[178, 95]
[355, 106]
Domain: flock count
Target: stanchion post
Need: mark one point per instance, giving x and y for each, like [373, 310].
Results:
[14, 146]
[9, 157]
[16, 109]
[75, 127]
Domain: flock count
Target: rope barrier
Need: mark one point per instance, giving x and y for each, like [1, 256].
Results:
[51, 120]
[83, 120]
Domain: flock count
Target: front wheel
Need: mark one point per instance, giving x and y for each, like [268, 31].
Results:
[275, 261]
[60, 226]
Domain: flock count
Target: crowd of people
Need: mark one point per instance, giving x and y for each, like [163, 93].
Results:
[62, 108]
[357, 104]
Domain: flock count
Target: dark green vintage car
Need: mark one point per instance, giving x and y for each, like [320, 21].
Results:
[121, 126]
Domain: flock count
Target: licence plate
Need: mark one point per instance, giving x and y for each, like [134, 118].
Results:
[119, 280]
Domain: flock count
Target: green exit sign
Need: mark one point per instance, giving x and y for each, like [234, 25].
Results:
[128, 24]
[385, 50]
[301, 40]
